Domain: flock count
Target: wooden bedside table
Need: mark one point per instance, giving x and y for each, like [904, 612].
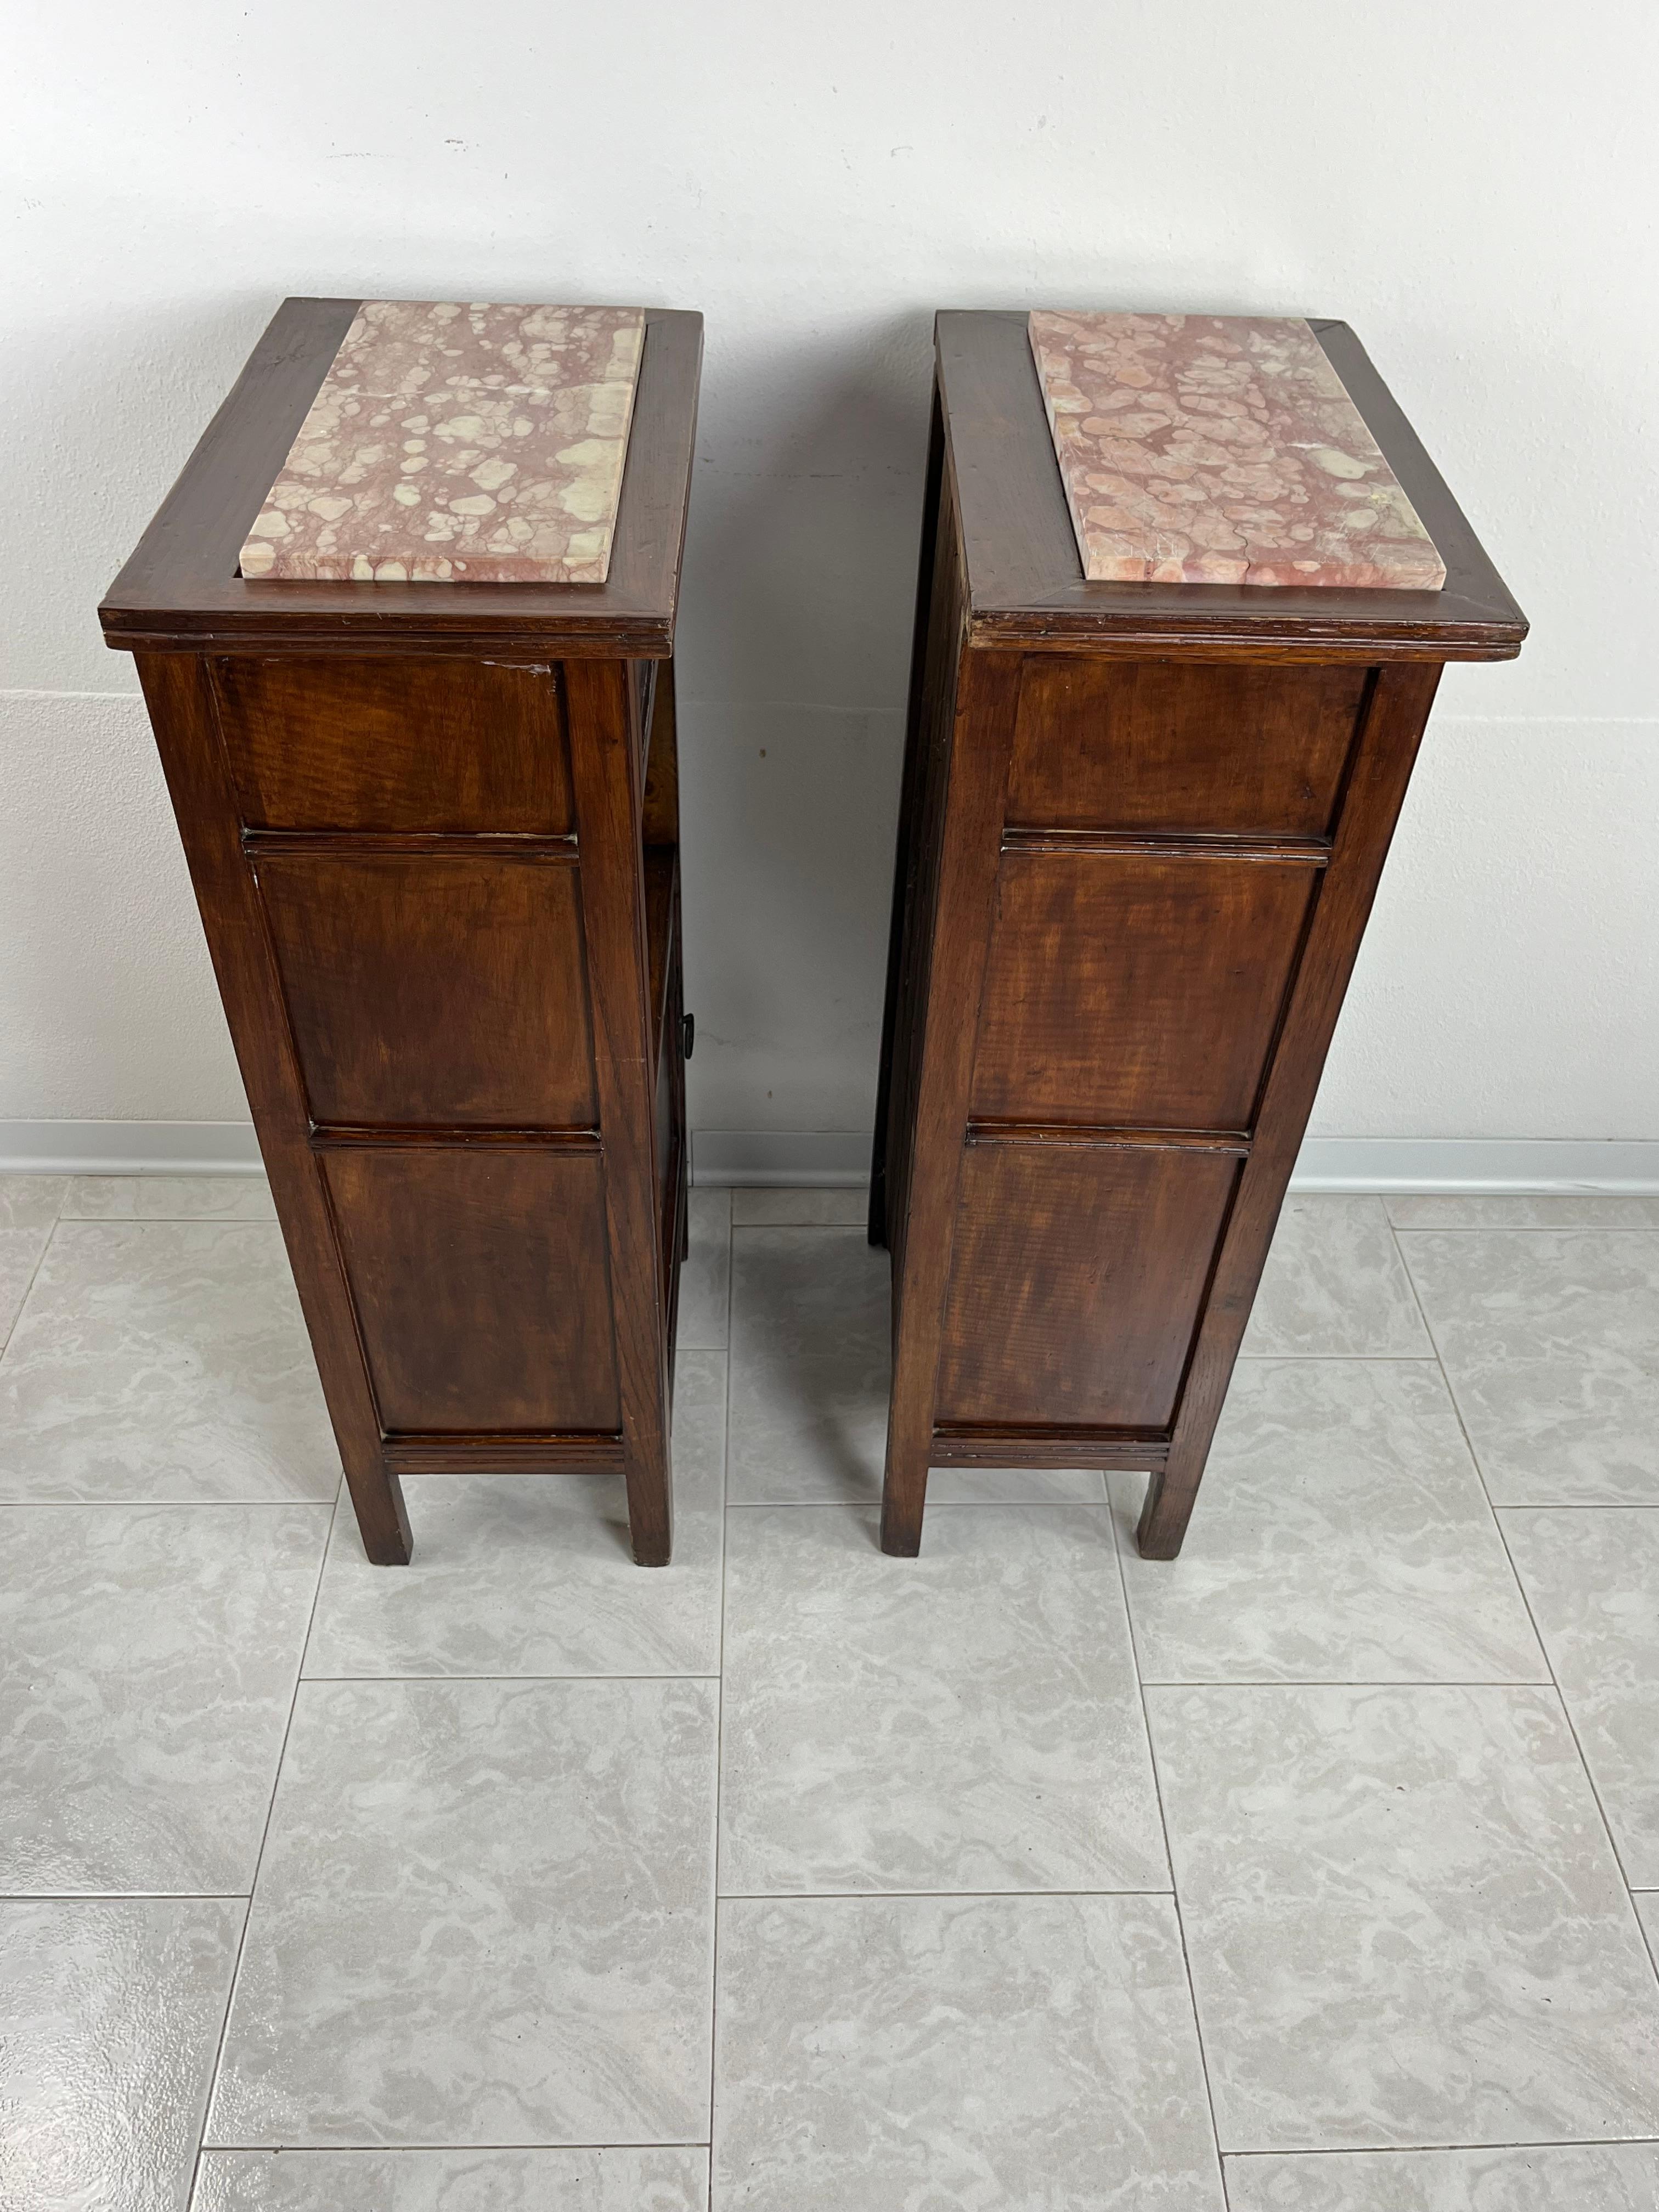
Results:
[1141, 829]
[432, 831]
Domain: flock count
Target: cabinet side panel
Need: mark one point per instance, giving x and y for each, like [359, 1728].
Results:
[932, 712]
[607, 771]
[1396, 709]
[181, 702]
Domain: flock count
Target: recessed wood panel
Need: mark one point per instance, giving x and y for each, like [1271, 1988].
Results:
[1160, 745]
[480, 1285]
[434, 988]
[1134, 990]
[1077, 1281]
[395, 744]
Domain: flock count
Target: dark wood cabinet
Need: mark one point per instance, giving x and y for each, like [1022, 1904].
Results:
[1142, 825]
[432, 831]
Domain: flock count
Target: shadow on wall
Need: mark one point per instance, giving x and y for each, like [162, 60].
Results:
[796, 622]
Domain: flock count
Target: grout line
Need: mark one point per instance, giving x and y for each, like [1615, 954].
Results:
[1431, 2149]
[418, 2150]
[934, 1505]
[170, 1504]
[1580, 1506]
[258, 1860]
[1560, 1695]
[1345, 1682]
[29, 1287]
[124, 1897]
[899, 1896]
[1168, 1851]
[720, 1723]
[498, 1677]
[1344, 1359]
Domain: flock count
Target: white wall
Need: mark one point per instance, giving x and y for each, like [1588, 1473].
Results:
[1472, 187]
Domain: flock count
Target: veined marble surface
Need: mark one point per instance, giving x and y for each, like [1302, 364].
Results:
[452, 443]
[1221, 449]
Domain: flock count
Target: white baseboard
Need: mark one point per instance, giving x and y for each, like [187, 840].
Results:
[128, 1148]
[838, 1159]
[807, 1159]
[1473, 1164]
[1470, 1164]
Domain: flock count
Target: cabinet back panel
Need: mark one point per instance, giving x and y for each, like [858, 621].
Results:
[1158, 745]
[1077, 1277]
[1134, 990]
[480, 1285]
[395, 746]
[428, 988]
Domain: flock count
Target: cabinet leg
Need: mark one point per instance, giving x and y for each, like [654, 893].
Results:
[903, 1498]
[1171, 1495]
[650, 1511]
[377, 1499]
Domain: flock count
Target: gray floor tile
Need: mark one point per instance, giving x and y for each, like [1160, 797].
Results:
[966, 1721]
[163, 1361]
[1342, 1535]
[110, 2013]
[531, 1574]
[484, 1915]
[1647, 1911]
[1333, 1287]
[1405, 1920]
[28, 1207]
[810, 1365]
[1592, 1579]
[900, 2054]
[1549, 2178]
[848, 1208]
[1520, 1210]
[705, 1274]
[169, 1198]
[148, 1659]
[1550, 1340]
[453, 2181]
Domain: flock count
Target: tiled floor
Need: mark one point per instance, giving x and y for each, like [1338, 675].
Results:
[1307, 1874]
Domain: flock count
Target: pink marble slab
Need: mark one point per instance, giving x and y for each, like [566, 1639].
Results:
[458, 444]
[1220, 449]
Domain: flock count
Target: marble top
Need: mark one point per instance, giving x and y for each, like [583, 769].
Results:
[458, 444]
[1220, 449]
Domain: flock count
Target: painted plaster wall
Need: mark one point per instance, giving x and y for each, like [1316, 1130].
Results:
[1472, 188]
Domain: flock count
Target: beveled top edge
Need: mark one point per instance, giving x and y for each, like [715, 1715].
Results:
[1026, 587]
[179, 592]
